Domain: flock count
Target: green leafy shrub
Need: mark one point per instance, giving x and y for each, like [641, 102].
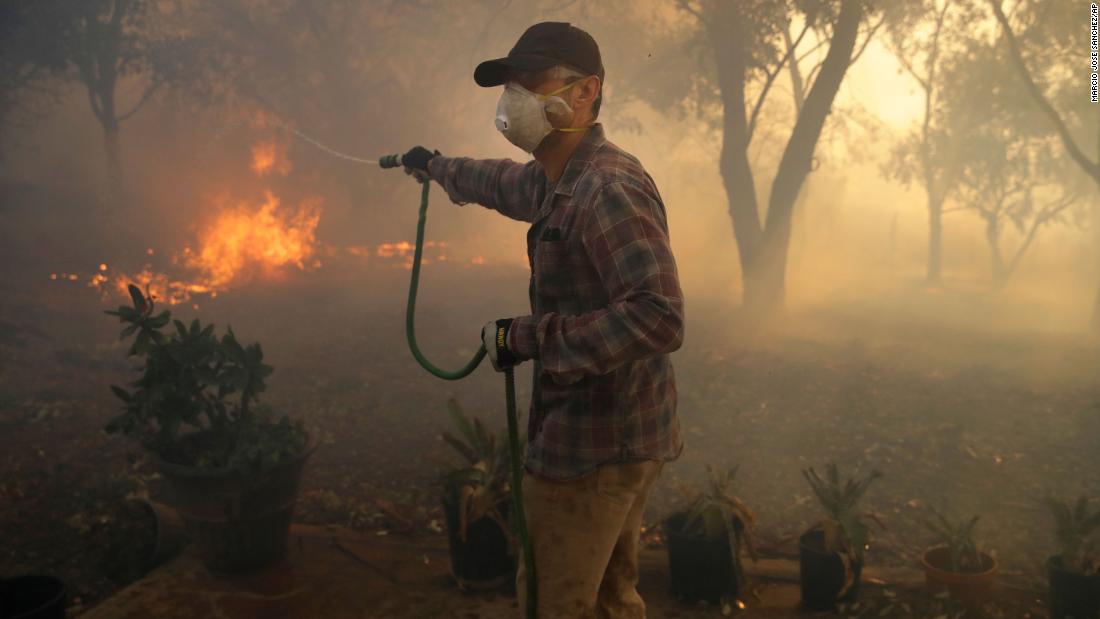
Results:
[958, 537]
[196, 401]
[1076, 529]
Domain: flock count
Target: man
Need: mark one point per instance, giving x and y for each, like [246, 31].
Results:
[606, 311]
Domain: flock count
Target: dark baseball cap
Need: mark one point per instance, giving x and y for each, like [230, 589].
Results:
[542, 46]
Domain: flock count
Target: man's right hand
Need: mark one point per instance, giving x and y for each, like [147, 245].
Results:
[416, 161]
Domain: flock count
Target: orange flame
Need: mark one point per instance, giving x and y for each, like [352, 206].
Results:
[270, 158]
[238, 244]
[243, 240]
[400, 254]
[160, 286]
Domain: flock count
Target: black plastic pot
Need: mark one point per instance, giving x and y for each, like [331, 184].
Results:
[821, 574]
[1072, 594]
[484, 560]
[237, 522]
[700, 568]
[171, 535]
[33, 596]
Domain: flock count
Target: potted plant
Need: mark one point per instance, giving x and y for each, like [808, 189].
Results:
[705, 542]
[476, 501]
[955, 564]
[831, 552]
[33, 596]
[232, 468]
[1074, 573]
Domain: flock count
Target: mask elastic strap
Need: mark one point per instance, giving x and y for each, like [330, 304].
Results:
[557, 92]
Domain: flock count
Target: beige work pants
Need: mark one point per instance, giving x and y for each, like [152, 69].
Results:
[584, 534]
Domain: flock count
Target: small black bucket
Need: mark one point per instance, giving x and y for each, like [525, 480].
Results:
[33, 596]
[1072, 594]
[700, 568]
[821, 574]
[484, 560]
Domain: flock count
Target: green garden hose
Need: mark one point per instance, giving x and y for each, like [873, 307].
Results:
[392, 161]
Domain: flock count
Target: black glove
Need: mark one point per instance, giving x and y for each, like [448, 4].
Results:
[416, 160]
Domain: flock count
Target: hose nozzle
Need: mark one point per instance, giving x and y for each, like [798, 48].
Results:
[389, 161]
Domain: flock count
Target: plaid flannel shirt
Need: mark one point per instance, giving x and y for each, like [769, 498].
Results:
[606, 305]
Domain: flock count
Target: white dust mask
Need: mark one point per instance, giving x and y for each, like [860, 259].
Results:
[522, 115]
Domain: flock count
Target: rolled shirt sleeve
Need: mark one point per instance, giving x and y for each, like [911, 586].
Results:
[625, 235]
[499, 184]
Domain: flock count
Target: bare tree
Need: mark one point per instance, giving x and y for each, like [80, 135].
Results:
[919, 35]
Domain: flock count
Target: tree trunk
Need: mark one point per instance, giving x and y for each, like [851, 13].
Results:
[102, 93]
[935, 241]
[798, 155]
[1096, 310]
[764, 279]
[726, 30]
[998, 269]
[1096, 302]
[113, 158]
[763, 249]
[1095, 322]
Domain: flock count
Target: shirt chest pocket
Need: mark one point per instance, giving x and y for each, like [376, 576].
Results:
[564, 277]
[554, 268]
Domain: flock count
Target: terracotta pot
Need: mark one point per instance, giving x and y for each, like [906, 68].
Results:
[971, 588]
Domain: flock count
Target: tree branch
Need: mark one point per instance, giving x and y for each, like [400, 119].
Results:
[157, 83]
[813, 49]
[870, 35]
[96, 108]
[811, 77]
[84, 59]
[769, 81]
[796, 75]
[1091, 168]
[685, 5]
[795, 164]
[561, 7]
[121, 7]
[911, 71]
[1046, 214]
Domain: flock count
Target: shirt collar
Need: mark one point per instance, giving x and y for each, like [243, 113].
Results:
[579, 160]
